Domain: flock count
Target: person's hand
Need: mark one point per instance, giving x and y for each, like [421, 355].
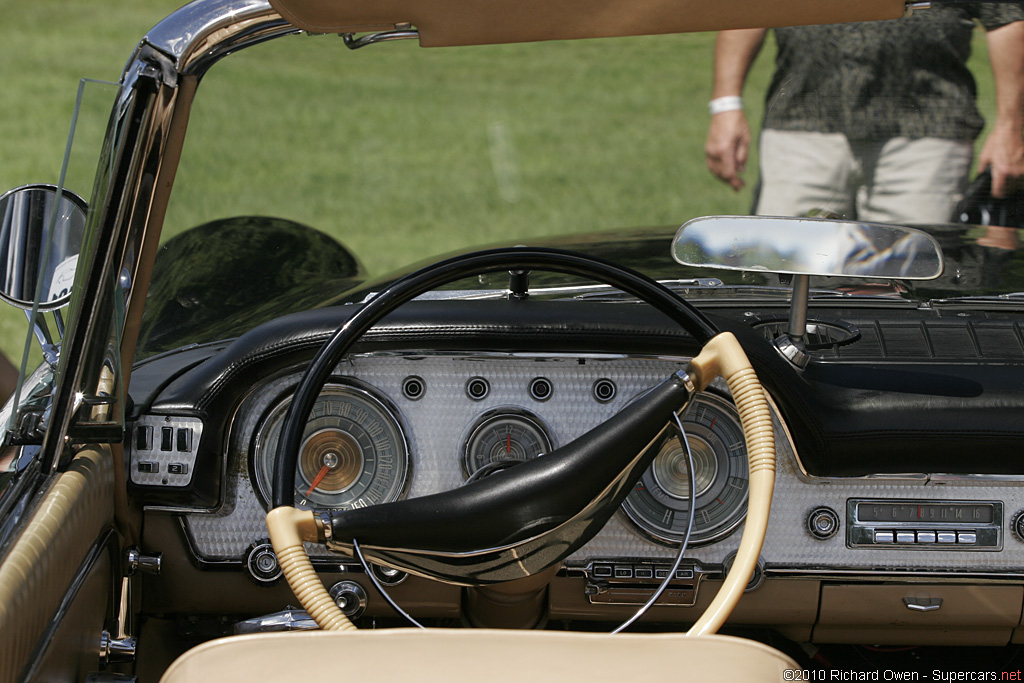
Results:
[998, 237]
[727, 147]
[1003, 153]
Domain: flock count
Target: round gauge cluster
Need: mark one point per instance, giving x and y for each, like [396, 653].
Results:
[353, 452]
[659, 503]
[501, 438]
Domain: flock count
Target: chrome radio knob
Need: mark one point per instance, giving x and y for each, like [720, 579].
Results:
[823, 523]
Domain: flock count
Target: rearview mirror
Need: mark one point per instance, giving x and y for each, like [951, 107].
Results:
[808, 246]
[40, 239]
[803, 247]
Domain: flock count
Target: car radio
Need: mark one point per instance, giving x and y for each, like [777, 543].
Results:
[924, 524]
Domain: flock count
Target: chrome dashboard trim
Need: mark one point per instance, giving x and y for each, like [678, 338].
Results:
[862, 576]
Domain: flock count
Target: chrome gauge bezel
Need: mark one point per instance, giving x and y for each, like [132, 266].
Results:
[708, 418]
[386, 416]
[479, 427]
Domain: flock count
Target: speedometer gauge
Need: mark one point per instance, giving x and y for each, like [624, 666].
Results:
[658, 505]
[353, 451]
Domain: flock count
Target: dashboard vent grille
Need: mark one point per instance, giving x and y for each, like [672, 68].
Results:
[933, 340]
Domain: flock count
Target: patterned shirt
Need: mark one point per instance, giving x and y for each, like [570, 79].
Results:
[877, 80]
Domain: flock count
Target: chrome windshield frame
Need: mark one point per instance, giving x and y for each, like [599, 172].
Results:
[143, 144]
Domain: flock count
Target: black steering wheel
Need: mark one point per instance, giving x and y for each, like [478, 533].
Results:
[529, 528]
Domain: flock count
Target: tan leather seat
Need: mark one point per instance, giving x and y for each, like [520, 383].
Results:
[473, 655]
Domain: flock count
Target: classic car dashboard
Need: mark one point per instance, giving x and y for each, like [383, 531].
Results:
[921, 549]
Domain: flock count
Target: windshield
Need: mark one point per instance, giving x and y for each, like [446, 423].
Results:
[402, 153]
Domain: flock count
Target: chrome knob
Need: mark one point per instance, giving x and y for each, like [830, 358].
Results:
[823, 523]
[147, 564]
[350, 597]
[261, 561]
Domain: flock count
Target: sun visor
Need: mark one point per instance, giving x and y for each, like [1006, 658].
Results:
[477, 22]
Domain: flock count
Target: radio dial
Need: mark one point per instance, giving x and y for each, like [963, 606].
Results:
[1018, 525]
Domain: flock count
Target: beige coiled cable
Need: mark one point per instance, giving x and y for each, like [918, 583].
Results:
[724, 356]
[289, 527]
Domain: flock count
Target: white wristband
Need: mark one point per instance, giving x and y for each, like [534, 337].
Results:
[724, 104]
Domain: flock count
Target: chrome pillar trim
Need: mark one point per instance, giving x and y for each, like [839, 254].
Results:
[136, 172]
[201, 33]
[90, 350]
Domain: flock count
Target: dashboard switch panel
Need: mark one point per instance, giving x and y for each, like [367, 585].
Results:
[163, 449]
[631, 583]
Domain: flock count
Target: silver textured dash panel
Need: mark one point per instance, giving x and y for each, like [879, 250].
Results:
[436, 424]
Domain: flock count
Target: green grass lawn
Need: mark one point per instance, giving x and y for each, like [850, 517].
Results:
[399, 152]
[410, 152]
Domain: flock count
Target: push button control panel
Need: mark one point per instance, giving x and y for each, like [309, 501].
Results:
[924, 524]
[163, 450]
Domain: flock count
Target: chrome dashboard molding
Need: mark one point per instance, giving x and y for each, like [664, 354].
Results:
[564, 291]
[874, 576]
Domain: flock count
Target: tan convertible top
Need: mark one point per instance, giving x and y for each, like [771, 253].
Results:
[475, 22]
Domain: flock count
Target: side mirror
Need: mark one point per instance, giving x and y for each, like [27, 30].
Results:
[40, 239]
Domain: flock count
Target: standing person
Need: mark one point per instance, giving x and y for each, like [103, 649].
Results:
[876, 120]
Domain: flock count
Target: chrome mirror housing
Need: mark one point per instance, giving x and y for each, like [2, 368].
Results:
[40, 239]
[808, 246]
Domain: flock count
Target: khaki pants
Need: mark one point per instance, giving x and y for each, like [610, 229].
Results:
[901, 180]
